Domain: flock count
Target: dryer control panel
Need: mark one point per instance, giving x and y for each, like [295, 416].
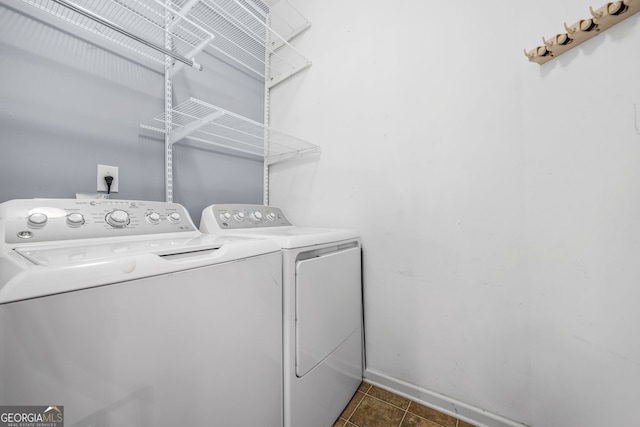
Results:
[49, 220]
[238, 216]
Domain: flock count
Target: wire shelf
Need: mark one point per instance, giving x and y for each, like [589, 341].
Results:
[144, 19]
[251, 33]
[200, 121]
[285, 19]
[284, 147]
[244, 33]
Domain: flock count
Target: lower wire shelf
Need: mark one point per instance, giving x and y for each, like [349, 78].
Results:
[206, 123]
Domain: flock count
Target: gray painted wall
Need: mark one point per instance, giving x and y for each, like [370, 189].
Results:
[69, 102]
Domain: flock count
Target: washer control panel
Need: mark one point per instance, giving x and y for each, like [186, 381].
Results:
[229, 217]
[48, 220]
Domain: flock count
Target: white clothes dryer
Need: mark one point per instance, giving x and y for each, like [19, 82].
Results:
[322, 308]
[124, 314]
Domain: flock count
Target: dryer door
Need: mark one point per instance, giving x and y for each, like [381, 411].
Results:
[328, 305]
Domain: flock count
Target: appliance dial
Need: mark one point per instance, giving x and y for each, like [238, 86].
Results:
[153, 218]
[117, 218]
[271, 216]
[37, 220]
[256, 216]
[174, 217]
[239, 216]
[75, 219]
[225, 216]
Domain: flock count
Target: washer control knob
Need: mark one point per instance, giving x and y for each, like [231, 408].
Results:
[271, 216]
[153, 218]
[118, 218]
[256, 216]
[37, 220]
[174, 217]
[239, 216]
[225, 216]
[75, 219]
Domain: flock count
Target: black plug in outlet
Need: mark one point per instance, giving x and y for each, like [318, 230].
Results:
[108, 180]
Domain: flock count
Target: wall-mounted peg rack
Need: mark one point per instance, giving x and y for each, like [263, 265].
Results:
[581, 31]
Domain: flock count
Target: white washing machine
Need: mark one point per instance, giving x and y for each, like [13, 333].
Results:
[125, 315]
[322, 308]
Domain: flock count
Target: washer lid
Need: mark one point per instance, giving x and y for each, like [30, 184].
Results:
[52, 256]
[41, 270]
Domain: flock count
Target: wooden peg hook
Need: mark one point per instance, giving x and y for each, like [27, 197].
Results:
[570, 30]
[595, 14]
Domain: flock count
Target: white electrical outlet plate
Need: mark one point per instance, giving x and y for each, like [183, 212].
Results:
[107, 171]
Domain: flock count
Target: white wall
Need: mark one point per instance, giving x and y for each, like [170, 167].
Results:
[494, 197]
[582, 151]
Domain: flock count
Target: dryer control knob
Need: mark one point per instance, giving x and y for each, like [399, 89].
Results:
[174, 217]
[239, 216]
[256, 216]
[117, 218]
[37, 220]
[271, 216]
[153, 218]
[75, 219]
[225, 216]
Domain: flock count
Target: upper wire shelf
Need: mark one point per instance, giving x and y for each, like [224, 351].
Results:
[252, 32]
[202, 122]
[285, 19]
[138, 25]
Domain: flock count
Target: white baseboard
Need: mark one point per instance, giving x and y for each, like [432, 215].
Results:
[444, 404]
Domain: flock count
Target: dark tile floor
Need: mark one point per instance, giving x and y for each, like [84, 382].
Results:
[372, 406]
